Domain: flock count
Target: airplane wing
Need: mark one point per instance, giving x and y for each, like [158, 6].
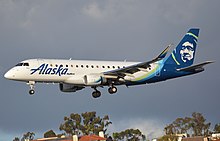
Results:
[195, 67]
[129, 70]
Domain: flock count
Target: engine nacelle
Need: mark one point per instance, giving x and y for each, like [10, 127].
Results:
[94, 79]
[69, 88]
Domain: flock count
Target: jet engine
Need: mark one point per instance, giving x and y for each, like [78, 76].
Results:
[94, 79]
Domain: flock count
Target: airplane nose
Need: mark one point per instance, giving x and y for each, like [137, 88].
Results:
[8, 75]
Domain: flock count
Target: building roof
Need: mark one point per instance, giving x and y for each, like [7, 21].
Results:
[91, 138]
[83, 138]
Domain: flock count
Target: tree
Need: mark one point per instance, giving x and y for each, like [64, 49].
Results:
[168, 138]
[195, 125]
[93, 124]
[179, 126]
[199, 127]
[16, 139]
[86, 123]
[72, 125]
[129, 135]
[28, 135]
[217, 128]
[170, 129]
[49, 134]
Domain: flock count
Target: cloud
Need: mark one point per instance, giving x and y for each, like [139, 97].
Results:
[106, 30]
[93, 10]
[110, 10]
[151, 128]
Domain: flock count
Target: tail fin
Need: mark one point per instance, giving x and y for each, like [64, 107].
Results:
[183, 55]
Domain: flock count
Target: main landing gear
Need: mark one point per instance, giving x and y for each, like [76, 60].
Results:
[112, 89]
[96, 93]
[31, 84]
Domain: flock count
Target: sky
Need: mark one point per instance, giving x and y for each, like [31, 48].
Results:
[132, 30]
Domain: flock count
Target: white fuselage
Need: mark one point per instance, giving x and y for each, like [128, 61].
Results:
[55, 70]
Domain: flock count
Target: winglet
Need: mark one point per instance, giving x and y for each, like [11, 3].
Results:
[164, 53]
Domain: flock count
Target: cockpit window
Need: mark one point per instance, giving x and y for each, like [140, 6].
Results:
[26, 64]
[22, 64]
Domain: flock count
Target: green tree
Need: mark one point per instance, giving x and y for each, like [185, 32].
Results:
[170, 129]
[217, 128]
[168, 138]
[199, 127]
[129, 135]
[196, 125]
[16, 139]
[49, 134]
[94, 124]
[86, 123]
[72, 125]
[28, 135]
[179, 126]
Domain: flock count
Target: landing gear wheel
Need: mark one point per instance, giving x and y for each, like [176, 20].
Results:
[31, 92]
[112, 90]
[96, 94]
[31, 84]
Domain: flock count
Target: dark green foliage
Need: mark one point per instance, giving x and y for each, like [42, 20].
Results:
[49, 134]
[217, 128]
[199, 127]
[196, 125]
[28, 135]
[86, 123]
[16, 139]
[129, 135]
[168, 138]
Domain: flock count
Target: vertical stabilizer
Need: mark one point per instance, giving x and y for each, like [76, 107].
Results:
[183, 55]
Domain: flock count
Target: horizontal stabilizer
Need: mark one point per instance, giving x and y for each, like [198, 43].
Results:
[195, 67]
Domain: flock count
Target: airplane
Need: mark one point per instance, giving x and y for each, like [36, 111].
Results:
[75, 75]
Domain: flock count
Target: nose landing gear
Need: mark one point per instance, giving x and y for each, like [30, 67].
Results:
[31, 84]
[31, 92]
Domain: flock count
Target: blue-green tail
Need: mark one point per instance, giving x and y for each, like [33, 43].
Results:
[183, 55]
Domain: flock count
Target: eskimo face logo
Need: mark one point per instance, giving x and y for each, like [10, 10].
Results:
[187, 51]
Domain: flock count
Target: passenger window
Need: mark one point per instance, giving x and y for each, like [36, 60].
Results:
[81, 66]
[77, 66]
[56, 65]
[87, 66]
[92, 66]
[119, 67]
[108, 66]
[71, 65]
[97, 66]
[66, 65]
[61, 65]
[113, 67]
[103, 66]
